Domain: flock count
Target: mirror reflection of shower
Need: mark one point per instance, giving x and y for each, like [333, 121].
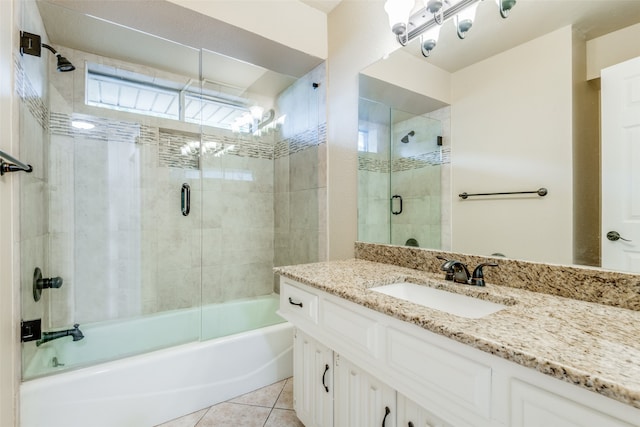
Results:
[405, 138]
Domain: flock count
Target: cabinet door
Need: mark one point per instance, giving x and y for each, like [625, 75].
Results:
[312, 381]
[534, 407]
[360, 400]
[410, 414]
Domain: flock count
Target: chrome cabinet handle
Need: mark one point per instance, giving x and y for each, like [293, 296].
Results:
[615, 236]
[185, 199]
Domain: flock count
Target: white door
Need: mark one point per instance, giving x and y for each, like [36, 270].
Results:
[621, 166]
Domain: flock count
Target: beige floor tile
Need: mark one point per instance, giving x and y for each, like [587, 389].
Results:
[265, 396]
[285, 401]
[283, 418]
[187, 421]
[233, 415]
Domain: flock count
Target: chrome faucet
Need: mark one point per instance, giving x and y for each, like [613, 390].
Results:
[50, 336]
[458, 272]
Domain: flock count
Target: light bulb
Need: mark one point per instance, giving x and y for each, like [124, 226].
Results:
[505, 6]
[433, 6]
[429, 40]
[398, 12]
[464, 19]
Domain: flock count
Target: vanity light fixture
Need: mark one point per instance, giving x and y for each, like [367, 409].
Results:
[399, 11]
[426, 22]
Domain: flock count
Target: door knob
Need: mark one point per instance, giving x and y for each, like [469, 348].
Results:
[615, 236]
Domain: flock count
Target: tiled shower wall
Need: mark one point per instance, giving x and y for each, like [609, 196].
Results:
[118, 237]
[300, 172]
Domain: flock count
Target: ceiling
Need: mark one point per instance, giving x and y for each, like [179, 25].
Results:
[89, 26]
[528, 20]
[232, 52]
[325, 6]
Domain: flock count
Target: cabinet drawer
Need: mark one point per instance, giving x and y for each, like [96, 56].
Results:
[358, 331]
[532, 407]
[441, 373]
[298, 302]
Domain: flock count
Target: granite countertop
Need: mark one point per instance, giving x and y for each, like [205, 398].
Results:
[591, 345]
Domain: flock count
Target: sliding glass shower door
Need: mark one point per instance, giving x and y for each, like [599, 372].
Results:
[110, 257]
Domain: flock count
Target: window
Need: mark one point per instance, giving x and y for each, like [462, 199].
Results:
[117, 89]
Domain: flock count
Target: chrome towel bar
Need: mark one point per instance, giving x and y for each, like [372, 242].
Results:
[540, 192]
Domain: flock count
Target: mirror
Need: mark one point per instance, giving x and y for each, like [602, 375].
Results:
[524, 113]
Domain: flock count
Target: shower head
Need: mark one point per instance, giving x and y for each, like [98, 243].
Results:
[405, 138]
[30, 44]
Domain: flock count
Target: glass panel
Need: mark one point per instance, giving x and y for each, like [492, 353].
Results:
[374, 128]
[104, 202]
[399, 176]
[415, 178]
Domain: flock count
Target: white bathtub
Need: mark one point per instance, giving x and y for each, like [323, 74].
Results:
[148, 389]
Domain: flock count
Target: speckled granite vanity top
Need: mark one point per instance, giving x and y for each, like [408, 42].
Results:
[592, 345]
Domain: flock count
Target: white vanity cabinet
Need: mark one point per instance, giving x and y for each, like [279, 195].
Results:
[312, 381]
[360, 399]
[410, 414]
[369, 362]
[532, 406]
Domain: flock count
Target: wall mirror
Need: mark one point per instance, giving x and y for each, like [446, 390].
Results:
[522, 113]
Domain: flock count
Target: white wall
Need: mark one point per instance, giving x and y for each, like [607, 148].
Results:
[611, 49]
[307, 33]
[417, 75]
[511, 121]
[357, 38]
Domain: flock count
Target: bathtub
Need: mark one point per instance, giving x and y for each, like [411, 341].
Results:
[151, 388]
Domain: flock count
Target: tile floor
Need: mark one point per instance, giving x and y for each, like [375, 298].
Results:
[270, 406]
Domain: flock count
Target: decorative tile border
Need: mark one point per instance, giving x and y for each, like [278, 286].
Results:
[371, 164]
[169, 150]
[432, 158]
[28, 95]
[170, 142]
[104, 130]
[301, 141]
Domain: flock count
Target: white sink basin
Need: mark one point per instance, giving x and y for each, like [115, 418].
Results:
[449, 302]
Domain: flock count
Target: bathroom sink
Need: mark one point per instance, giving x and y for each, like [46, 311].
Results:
[449, 302]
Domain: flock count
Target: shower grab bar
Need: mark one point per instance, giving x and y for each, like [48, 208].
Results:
[540, 192]
[185, 199]
[15, 165]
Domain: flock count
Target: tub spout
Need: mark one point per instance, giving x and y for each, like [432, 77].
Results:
[76, 333]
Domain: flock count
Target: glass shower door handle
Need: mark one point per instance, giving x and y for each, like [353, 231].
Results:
[185, 199]
[399, 211]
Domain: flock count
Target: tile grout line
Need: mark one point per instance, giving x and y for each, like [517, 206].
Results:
[275, 402]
